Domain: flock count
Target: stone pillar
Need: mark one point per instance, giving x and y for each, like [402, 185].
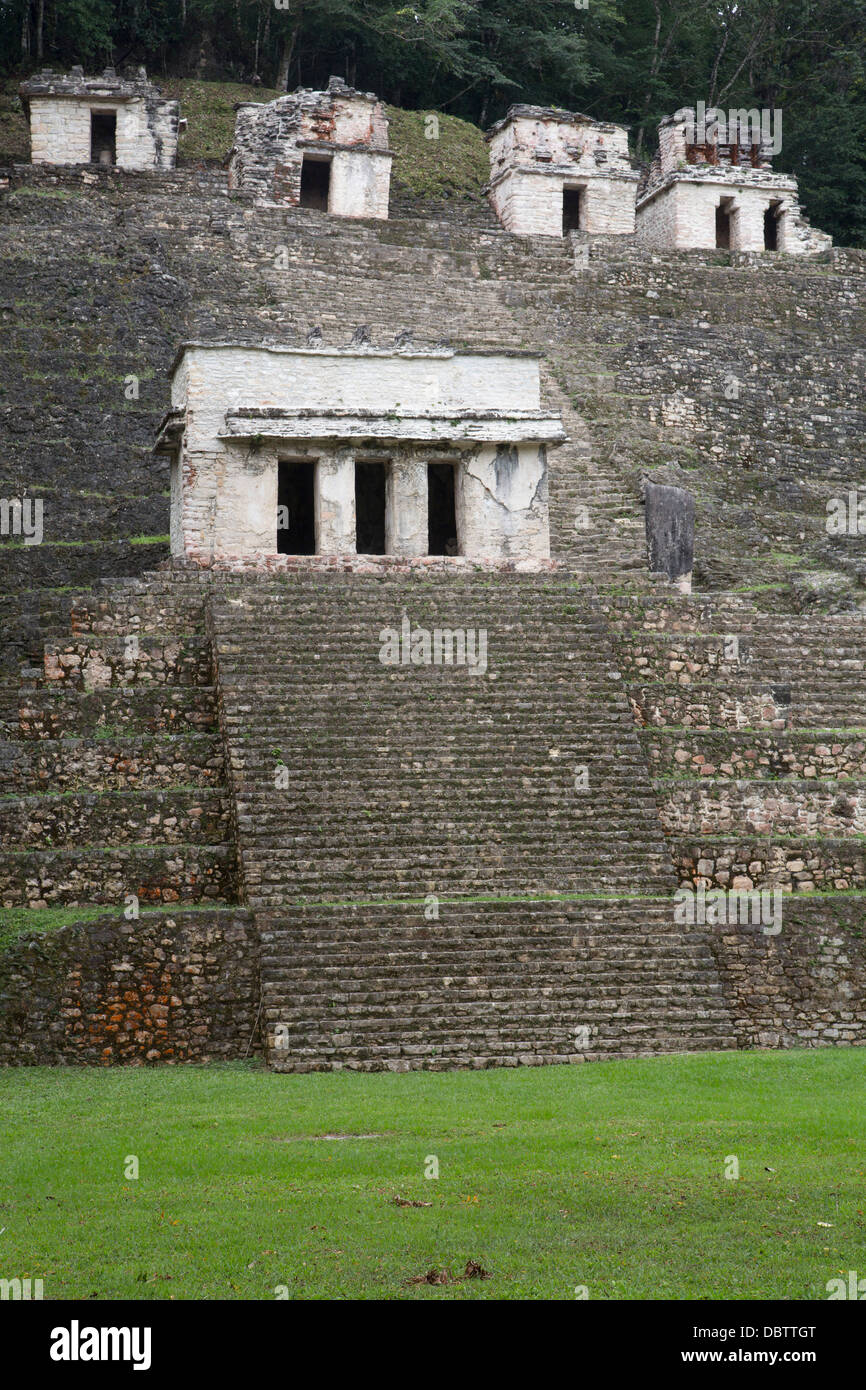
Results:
[406, 504]
[670, 533]
[335, 502]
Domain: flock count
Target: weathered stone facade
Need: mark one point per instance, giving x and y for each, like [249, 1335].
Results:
[553, 171]
[165, 988]
[342, 133]
[103, 120]
[241, 413]
[719, 194]
[405, 778]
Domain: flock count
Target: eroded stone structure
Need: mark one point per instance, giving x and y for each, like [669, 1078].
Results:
[100, 120]
[670, 532]
[358, 450]
[324, 150]
[720, 192]
[555, 171]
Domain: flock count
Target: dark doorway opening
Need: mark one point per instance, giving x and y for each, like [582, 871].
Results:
[571, 210]
[441, 510]
[103, 137]
[296, 508]
[723, 228]
[370, 508]
[315, 183]
[771, 228]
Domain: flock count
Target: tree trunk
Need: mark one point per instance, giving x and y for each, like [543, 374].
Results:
[282, 83]
[25, 30]
[40, 21]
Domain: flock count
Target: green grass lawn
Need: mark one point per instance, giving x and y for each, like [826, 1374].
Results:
[609, 1175]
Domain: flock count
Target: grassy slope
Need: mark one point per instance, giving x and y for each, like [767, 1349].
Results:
[453, 165]
[608, 1175]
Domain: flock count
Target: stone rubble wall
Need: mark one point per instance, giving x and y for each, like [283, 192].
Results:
[155, 873]
[63, 819]
[166, 988]
[754, 754]
[761, 808]
[137, 761]
[803, 987]
[804, 866]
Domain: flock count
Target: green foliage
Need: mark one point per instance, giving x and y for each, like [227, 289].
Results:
[632, 61]
[454, 164]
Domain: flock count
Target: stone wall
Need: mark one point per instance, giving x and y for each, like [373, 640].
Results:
[754, 754]
[76, 764]
[166, 988]
[751, 807]
[742, 862]
[803, 987]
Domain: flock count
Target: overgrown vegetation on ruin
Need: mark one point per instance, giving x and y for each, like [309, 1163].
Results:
[632, 61]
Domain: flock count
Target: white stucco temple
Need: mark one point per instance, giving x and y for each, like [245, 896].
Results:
[712, 184]
[358, 450]
[552, 172]
[122, 122]
[323, 150]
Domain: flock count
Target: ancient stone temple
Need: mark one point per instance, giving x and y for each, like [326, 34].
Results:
[100, 120]
[279, 451]
[552, 172]
[324, 150]
[356, 451]
[712, 184]
[408, 747]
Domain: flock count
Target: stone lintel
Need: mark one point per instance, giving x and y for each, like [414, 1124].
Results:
[332, 147]
[459, 429]
[726, 176]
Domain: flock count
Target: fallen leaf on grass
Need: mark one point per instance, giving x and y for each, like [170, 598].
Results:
[404, 1202]
[473, 1270]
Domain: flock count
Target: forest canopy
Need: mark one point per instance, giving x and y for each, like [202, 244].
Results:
[625, 60]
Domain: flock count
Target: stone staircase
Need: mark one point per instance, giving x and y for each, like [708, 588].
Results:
[369, 796]
[111, 772]
[486, 984]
